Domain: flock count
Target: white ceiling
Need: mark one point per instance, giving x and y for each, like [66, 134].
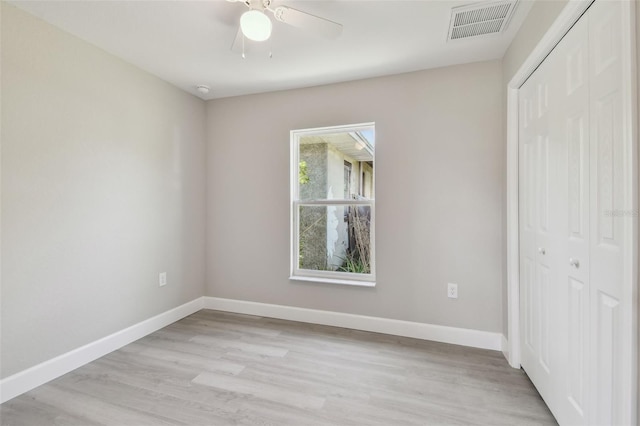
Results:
[188, 43]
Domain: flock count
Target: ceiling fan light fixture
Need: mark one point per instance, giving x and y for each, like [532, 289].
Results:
[255, 25]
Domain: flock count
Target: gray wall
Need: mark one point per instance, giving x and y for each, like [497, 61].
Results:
[102, 188]
[542, 15]
[439, 153]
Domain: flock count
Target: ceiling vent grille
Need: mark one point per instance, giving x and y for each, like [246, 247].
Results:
[480, 19]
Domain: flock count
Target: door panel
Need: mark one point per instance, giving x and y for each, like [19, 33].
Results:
[604, 145]
[528, 184]
[607, 177]
[577, 333]
[572, 123]
[543, 184]
[527, 283]
[538, 227]
[543, 314]
[607, 320]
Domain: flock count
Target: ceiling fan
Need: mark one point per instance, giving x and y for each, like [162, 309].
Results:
[256, 25]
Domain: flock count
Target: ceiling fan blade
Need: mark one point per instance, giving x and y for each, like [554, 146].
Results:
[306, 21]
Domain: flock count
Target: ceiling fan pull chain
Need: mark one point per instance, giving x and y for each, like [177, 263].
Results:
[243, 56]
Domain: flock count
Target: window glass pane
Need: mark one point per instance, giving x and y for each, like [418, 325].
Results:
[336, 166]
[335, 238]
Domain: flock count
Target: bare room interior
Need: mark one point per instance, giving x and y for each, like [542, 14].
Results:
[307, 212]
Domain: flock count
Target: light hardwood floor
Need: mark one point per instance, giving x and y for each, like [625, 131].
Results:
[215, 368]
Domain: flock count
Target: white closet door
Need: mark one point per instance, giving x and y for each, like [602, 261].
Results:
[539, 228]
[527, 164]
[528, 161]
[607, 225]
[571, 128]
[575, 180]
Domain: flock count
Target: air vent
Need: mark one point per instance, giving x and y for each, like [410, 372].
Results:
[480, 19]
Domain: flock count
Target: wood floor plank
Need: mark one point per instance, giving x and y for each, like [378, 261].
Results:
[192, 360]
[259, 349]
[99, 410]
[215, 368]
[262, 390]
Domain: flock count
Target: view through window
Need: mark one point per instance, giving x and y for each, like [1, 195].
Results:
[333, 204]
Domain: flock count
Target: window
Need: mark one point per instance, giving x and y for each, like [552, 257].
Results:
[332, 204]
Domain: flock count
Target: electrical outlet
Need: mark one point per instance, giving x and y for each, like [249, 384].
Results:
[452, 291]
[162, 279]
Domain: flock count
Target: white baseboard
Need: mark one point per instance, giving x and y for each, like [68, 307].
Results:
[438, 333]
[40, 374]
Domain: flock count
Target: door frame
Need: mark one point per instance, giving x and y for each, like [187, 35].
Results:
[566, 19]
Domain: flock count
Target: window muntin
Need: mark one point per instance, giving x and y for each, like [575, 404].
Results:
[332, 201]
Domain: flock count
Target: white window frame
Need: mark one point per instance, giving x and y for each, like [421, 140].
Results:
[331, 277]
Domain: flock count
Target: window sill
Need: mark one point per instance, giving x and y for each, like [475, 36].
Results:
[334, 281]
